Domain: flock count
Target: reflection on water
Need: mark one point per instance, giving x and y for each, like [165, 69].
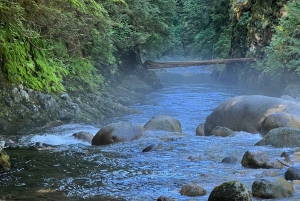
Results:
[76, 170]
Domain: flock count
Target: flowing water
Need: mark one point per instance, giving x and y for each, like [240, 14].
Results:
[79, 171]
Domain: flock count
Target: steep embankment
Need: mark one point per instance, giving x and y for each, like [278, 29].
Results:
[24, 109]
[63, 61]
[263, 30]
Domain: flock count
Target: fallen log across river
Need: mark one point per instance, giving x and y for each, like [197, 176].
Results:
[172, 64]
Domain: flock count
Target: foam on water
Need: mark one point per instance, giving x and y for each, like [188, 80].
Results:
[61, 135]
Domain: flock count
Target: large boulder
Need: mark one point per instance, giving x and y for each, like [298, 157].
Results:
[281, 137]
[232, 190]
[280, 119]
[247, 113]
[259, 159]
[117, 132]
[272, 188]
[164, 123]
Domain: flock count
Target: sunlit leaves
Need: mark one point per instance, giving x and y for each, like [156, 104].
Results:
[42, 42]
[284, 50]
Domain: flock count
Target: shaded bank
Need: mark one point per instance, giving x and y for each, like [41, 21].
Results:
[24, 109]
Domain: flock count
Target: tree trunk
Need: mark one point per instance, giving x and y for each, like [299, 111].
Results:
[172, 64]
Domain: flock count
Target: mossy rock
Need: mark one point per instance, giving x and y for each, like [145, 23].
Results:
[4, 161]
[230, 191]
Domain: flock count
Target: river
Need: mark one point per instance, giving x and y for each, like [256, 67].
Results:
[79, 171]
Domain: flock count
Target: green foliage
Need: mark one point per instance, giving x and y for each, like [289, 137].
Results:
[100, 47]
[36, 70]
[284, 50]
[43, 42]
[84, 76]
[39, 39]
[142, 26]
[207, 29]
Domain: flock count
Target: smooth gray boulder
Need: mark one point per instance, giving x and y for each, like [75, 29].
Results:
[247, 113]
[164, 123]
[281, 137]
[280, 119]
[272, 188]
[117, 132]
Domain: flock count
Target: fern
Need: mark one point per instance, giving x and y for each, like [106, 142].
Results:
[84, 76]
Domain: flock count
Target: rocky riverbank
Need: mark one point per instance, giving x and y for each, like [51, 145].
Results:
[24, 109]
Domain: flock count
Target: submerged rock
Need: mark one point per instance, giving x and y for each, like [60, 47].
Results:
[84, 136]
[149, 148]
[229, 160]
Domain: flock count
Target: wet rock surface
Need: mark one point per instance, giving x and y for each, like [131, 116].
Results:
[272, 188]
[117, 132]
[192, 189]
[246, 113]
[281, 137]
[232, 190]
[163, 122]
[259, 159]
[221, 132]
[23, 109]
[293, 172]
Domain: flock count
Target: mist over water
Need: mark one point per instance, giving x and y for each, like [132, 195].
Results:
[188, 94]
[77, 171]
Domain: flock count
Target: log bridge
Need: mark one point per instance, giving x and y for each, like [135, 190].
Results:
[172, 64]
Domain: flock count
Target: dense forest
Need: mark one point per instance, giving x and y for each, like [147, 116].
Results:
[86, 45]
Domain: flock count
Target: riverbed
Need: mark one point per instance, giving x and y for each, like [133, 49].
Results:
[76, 170]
